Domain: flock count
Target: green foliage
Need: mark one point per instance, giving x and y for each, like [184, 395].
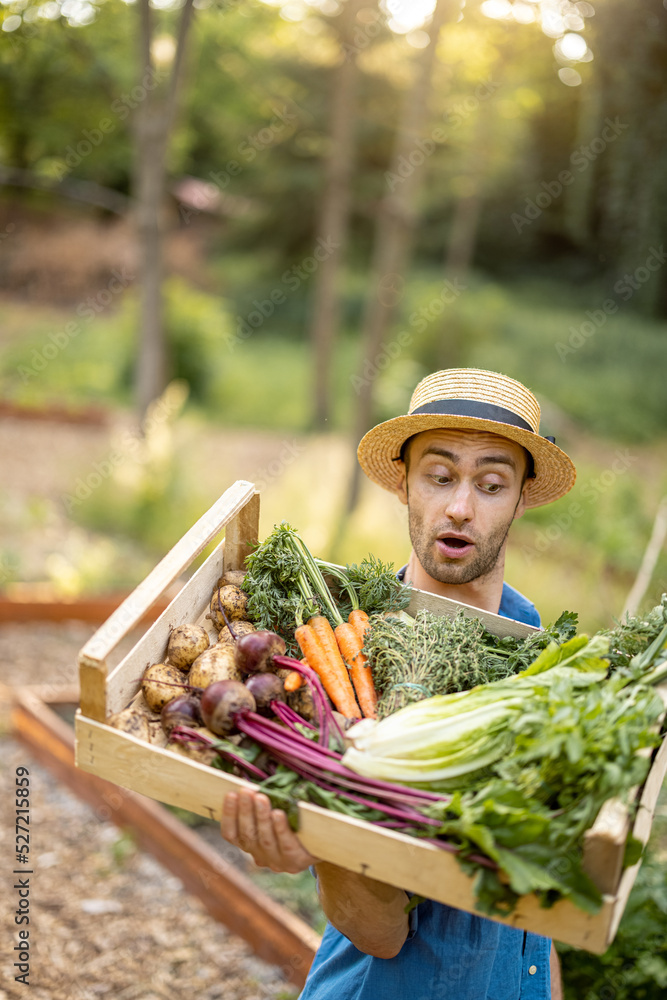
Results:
[634, 967]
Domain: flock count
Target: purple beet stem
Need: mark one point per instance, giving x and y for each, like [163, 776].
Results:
[291, 718]
[316, 685]
[183, 734]
[327, 762]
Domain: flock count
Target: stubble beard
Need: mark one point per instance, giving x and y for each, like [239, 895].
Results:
[484, 560]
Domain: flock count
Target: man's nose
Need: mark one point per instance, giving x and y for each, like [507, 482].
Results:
[459, 505]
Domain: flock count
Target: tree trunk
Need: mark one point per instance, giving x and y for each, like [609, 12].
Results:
[155, 116]
[334, 215]
[395, 227]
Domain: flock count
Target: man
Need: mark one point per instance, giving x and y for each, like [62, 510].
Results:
[466, 460]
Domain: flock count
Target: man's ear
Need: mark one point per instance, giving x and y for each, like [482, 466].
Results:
[521, 506]
[402, 488]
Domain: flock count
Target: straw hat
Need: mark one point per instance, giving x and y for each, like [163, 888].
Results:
[471, 399]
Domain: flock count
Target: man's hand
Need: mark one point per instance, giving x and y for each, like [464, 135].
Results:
[249, 822]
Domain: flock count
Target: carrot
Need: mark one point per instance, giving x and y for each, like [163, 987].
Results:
[360, 622]
[350, 646]
[321, 650]
[294, 680]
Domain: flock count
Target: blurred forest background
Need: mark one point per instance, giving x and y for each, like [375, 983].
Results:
[278, 216]
[234, 235]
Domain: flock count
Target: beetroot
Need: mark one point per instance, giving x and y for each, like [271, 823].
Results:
[255, 651]
[221, 701]
[265, 688]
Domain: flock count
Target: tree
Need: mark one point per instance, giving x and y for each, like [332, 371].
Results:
[333, 223]
[155, 118]
[396, 222]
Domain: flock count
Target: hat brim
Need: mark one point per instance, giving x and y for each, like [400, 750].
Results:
[555, 473]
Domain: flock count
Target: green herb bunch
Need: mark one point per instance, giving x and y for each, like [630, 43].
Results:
[441, 655]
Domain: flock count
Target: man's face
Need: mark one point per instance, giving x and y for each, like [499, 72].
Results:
[463, 490]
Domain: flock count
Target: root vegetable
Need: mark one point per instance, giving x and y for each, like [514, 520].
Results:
[255, 651]
[185, 644]
[184, 710]
[241, 627]
[134, 723]
[265, 688]
[200, 752]
[233, 576]
[221, 702]
[232, 601]
[302, 702]
[160, 684]
[215, 664]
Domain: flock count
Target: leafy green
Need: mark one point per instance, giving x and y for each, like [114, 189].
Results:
[530, 760]
[377, 588]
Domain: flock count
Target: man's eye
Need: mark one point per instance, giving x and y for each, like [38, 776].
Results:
[440, 480]
[491, 487]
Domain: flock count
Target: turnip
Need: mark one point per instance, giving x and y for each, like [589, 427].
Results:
[185, 644]
[265, 688]
[223, 700]
[255, 651]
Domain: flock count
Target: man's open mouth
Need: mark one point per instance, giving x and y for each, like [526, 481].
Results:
[452, 546]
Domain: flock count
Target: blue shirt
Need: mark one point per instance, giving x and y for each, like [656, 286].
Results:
[449, 954]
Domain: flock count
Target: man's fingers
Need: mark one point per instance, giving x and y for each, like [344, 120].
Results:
[266, 836]
[229, 821]
[247, 823]
[288, 843]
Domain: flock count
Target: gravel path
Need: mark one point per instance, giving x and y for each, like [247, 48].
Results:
[105, 918]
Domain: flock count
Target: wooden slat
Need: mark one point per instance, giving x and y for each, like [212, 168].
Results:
[604, 842]
[641, 830]
[422, 599]
[134, 607]
[124, 679]
[275, 934]
[241, 535]
[604, 845]
[358, 846]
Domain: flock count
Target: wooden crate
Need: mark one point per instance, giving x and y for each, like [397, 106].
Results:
[107, 686]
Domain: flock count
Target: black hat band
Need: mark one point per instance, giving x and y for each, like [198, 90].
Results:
[473, 408]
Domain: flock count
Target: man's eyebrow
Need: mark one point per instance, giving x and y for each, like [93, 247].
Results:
[443, 452]
[496, 460]
[483, 460]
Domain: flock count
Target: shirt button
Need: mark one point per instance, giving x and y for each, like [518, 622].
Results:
[532, 970]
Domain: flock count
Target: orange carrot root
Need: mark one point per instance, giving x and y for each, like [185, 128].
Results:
[318, 644]
[350, 646]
